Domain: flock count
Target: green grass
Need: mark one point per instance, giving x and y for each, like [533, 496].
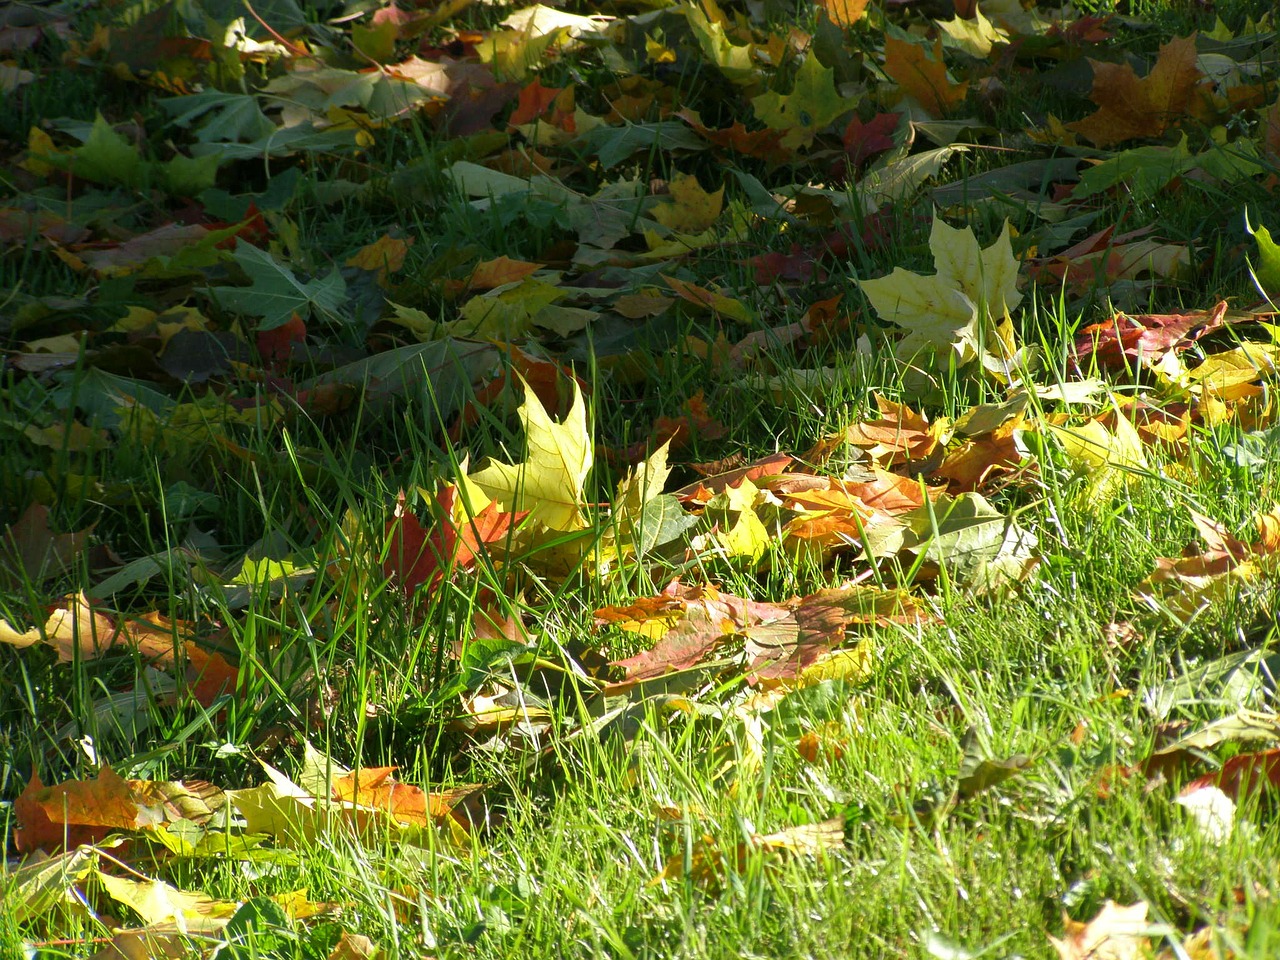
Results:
[585, 797]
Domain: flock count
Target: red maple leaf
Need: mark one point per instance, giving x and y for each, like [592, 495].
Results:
[422, 557]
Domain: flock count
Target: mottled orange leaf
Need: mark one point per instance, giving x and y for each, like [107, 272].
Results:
[889, 493]
[382, 257]
[533, 102]
[781, 640]
[419, 557]
[275, 346]
[825, 743]
[774, 463]
[72, 813]
[765, 144]
[899, 436]
[971, 465]
[500, 271]
[374, 787]
[1131, 108]
[73, 629]
[1183, 585]
[817, 625]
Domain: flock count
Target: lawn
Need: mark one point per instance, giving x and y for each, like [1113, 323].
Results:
[639, 479]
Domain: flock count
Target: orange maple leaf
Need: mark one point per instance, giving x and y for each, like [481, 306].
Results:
[1131, 108]
[845, 13]
[72, 813]
[921, 76]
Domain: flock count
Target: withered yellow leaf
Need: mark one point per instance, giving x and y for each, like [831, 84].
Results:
[1111, 460]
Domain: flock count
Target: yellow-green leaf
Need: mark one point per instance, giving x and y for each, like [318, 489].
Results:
[961, 305]
[549, 482]
[1109, 460]
[812, 104]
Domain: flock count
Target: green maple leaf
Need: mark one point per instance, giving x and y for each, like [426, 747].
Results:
[276, 294]
[812, 104]
[221, 116]
[104, 157]
[981, 549]
[959, 306]
[1267, 271]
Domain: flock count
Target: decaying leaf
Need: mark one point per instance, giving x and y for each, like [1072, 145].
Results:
[1108, 459]
[31, 553]
[1185, 585]
[706, 865]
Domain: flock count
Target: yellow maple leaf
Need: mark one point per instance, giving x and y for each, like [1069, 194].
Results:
[549, 483]
[691, 209]
[961, 305]
[975, 37]
[644, 482]
[741, 532]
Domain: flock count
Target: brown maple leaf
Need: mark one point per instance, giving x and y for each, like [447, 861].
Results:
[30, 552]
[1131, 108]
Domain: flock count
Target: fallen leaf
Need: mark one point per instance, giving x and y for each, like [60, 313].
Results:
[1129, 107]
[707, 864]
[382, 257]
[900, 436]
[845, 13]
[1126, 341]
[354, 946]
[548, 484]
[420, 558]
[1116, 933]
[31, 553]
[1109, 460]
[276, 294]
[691, 209]
[922, 74]
[812, 104]
[982, 549]
[957, 309]
[75, 812]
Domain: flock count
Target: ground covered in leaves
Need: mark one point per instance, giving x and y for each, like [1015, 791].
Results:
[648, 479]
